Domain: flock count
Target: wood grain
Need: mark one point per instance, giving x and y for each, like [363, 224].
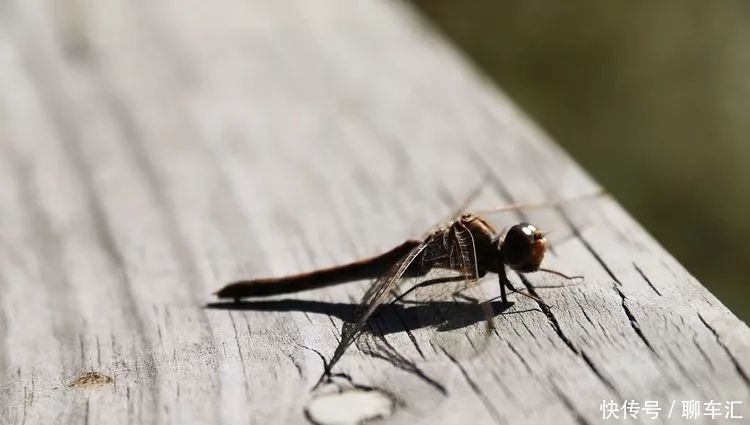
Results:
[152, 151]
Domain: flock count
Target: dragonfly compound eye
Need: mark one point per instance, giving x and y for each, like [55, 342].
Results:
[523, 248]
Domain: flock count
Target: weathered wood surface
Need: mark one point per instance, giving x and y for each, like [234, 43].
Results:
[152, 151]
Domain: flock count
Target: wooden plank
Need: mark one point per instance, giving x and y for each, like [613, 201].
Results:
[153, 152]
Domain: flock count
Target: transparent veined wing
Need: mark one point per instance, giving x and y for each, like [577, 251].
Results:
[440, 280]
[381, 291]
[456, 311]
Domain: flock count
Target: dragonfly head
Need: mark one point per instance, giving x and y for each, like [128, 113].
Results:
[523, 248]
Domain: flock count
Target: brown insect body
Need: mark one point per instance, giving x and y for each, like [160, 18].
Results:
[467, 245]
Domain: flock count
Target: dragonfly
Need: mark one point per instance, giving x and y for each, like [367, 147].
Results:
[461, 251]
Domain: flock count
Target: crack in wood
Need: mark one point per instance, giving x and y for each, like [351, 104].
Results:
[296, 364]
[704, 355]
[528, 329]
[98, 352]
[83, 351]
[471, 343]
[239, 352]
[607, 382]
[646, 279]
[634, 322]
[568, 343]
[550, 316]
[577, 233]
[585, 314]
[522, 358]
[478, 391]
[577, 415]
[318, 353]
[336, 334]
[504, 388]
[390, 354]
[743, 375]
[87, 411]
[25, 406]
[684, 373]
[33, 390]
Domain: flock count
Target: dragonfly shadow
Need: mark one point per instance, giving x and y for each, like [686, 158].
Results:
[441, 315]
[387, 319]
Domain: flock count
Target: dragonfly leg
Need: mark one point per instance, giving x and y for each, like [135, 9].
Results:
[503, 280]
[428, 283]
[562, 275]
[503, 296]
[520, 292]
[398, 298]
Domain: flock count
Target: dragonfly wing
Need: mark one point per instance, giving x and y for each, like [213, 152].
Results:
[465, 252]
[379, 292]
[452, 307]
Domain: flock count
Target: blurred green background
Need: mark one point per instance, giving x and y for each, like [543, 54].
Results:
[652, 98]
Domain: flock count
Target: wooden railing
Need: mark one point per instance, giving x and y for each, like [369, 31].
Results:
[152, 152]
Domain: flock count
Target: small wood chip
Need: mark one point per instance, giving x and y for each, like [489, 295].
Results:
[91, 379]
